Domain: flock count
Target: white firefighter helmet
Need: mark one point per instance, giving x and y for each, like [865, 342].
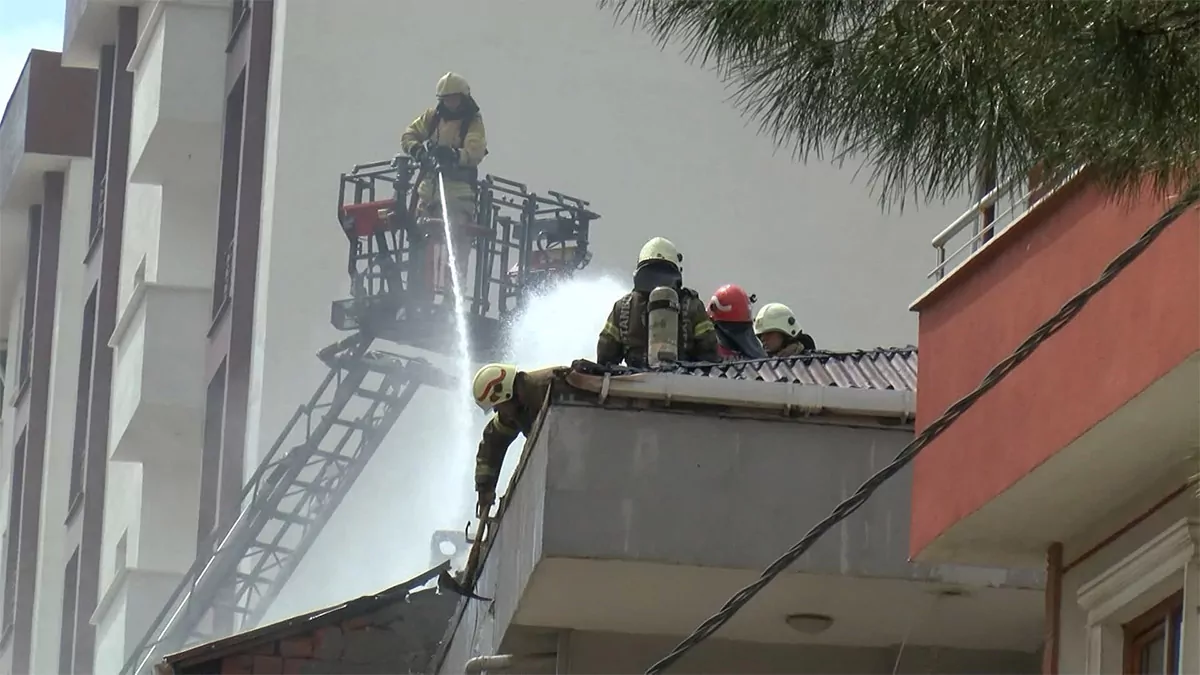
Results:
[453, 83]
[493, 384]
[775, 316]
[659, 248]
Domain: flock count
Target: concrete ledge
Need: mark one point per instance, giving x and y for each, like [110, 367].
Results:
[158, 378]
[179, 89]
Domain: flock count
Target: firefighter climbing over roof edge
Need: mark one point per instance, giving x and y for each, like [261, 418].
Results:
[729, 310]
[516, 397]
[780, 332]
[452, 134]
[625, 336]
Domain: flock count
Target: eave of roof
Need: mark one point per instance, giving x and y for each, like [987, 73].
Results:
[300, 623]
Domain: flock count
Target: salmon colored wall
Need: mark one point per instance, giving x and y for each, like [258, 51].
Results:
[1134, 331]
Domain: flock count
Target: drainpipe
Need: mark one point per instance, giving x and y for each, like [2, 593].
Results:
[1053, 610]
[479, 664]
[562, 662]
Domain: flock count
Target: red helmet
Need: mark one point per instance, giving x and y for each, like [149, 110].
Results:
[731, 304]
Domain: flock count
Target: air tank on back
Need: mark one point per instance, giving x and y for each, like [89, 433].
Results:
[663, 326]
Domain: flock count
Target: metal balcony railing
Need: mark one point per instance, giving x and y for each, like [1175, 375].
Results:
[223, 287]
[98, 197]
[1008, 202]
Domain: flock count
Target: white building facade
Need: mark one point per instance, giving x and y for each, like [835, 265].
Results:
[185, 250]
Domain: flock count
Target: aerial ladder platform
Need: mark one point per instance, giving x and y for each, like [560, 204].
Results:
[400, 293]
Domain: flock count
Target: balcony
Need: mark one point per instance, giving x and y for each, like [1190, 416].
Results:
[87, 26]
[38, 133]
[1100, 412]
[158, 374]
[643, 503]
[178, 94]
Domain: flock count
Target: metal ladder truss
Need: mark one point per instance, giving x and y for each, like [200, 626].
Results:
[305, 475]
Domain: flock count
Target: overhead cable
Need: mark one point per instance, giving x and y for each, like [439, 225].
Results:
[843, 510]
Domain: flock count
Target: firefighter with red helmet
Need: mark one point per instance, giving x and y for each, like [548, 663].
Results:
[729, 310]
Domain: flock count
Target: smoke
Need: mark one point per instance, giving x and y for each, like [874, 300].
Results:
[419, 478]
[562, 324]
[557, 327]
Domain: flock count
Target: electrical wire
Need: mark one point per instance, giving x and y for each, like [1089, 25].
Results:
[843, 510]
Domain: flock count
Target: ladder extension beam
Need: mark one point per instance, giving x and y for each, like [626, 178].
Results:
[291, 496]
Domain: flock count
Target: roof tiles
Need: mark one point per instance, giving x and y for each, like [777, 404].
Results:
[888, 368]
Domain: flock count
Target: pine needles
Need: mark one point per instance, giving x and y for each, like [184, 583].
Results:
[926, 90]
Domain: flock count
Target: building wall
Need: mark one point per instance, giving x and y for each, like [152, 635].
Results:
[599, 653]
[56, 548]
[630, 488]
[7, 458]
[989, 305]
[588, 652]
[1103, 545]
[24, 561]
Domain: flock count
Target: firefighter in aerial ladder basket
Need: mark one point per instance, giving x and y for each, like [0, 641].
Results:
[779, 331]
[729, 310]
[625, 336]
[452, 135]
[516, 398]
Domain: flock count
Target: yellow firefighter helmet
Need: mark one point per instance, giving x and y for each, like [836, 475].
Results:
[659, 248]
[494, 384]
[453, 83]
[775, 316]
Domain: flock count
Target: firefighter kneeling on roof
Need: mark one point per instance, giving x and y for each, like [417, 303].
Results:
[626, 333]
[779, 331]
[451, 134]
[516, 398]
[729, 310]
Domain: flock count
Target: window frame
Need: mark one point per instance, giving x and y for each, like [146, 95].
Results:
[1164, 620]
[1134, 588]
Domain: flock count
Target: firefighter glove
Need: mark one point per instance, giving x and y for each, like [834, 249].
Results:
[417, 152]
[445, 155]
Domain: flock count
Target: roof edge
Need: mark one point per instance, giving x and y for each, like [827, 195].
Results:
[749, 394]
[316, 618]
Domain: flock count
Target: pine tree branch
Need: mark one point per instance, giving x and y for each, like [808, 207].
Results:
[922, 89]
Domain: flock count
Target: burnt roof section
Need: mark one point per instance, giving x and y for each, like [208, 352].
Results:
[881, 369]
[392, 600]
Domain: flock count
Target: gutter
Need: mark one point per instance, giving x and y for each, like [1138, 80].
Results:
[504, 662]
[790, 398]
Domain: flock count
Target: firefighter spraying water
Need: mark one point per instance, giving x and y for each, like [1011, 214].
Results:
[405, 231]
